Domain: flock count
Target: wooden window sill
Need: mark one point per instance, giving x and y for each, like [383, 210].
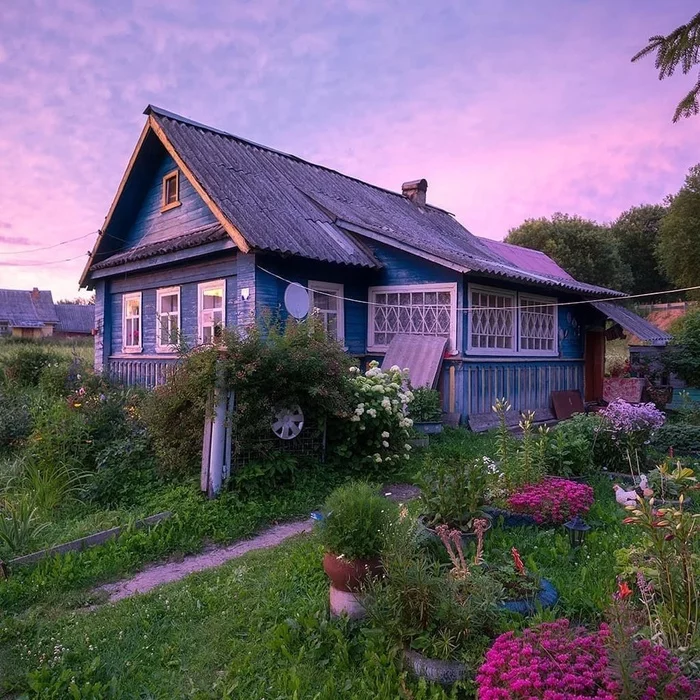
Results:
[170, 206]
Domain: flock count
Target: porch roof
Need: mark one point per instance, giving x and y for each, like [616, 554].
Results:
[646, 331]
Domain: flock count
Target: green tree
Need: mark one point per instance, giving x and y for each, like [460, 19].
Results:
[679, 48]
[586, 250]
[683, 355]
[637, 232]
[679, 240]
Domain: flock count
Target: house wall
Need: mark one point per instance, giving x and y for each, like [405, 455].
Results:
[149, 366]
[160, 225]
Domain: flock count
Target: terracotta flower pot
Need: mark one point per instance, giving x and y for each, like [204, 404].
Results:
[349, 574]
[435, 670]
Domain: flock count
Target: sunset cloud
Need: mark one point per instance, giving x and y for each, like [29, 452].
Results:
[510, 110]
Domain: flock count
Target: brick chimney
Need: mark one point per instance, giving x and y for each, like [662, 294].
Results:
[415, 191]
[35, 294]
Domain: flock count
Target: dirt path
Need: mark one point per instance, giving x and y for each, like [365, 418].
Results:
[154, 576]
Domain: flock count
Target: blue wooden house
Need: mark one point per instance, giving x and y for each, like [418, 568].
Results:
[208, 230]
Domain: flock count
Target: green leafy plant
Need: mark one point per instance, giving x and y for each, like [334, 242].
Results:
[425, 406]
[570, 450]
[671, 479]
[15, 419]
[19, 525]
[684, 439]
[424, 607]
[668, 558]
[356, 520]
[453, 493]
[24, 364]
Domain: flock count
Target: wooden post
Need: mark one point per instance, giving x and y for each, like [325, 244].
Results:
[215, 463]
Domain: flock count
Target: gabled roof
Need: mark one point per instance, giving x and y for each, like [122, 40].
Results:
[532, 260]
[646, 331]
[27, 309]
[75, 318]
[272, 201]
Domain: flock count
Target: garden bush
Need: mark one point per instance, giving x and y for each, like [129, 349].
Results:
[15, 418]
[684, 439]
[356, 521]
[683, 355]
[376, 433]
[425, 406]
[266, 369]
[23, 365]
[60, 378]
[125, 472]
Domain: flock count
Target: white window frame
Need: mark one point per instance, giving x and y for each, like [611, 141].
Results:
[450, 287]
[336, 290]
[126, 298]
[513, 296]
[542, 301]
[516, 298]
[167, 292]
[201, 288]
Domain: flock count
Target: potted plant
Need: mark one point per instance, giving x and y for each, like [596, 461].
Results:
[425, 411]
[442, 615]
[353, 529]
[453, 494]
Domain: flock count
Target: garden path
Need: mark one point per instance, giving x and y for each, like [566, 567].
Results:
[167, 572]
[157, 575]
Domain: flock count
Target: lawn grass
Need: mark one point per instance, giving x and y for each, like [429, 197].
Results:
[258, 626]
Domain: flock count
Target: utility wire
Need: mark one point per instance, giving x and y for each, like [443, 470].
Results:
[47, 247]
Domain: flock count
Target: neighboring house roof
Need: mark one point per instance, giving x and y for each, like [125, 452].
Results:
[272, 201]
[75, 318]
[644, 330]
[27, 309]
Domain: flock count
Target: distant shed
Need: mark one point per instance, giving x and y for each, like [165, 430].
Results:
[75, 320]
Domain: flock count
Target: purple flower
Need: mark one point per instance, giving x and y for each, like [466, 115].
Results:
[552, 500]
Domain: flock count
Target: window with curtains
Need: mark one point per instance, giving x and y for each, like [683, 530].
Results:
[502, 322]
[211, 310]
[327, 305]
[131, 322]
[167, 318]
[422, 309]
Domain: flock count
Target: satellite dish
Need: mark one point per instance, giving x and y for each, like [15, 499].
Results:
[296, 300]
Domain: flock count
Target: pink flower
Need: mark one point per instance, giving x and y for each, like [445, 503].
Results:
[552, 500]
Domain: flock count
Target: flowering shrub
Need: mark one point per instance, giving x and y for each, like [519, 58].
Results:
[632, 424]
[552, 500]
[379, 426]
[552, 660]
[559, 662]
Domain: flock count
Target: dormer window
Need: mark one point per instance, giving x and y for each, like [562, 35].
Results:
[171, 190]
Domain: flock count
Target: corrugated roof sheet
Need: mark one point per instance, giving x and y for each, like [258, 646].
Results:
[22, 310]
[632, 323]
[191, 239]
[75, 318]
[284, 204]
[528, 259]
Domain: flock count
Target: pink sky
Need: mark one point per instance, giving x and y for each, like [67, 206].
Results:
[510, 110]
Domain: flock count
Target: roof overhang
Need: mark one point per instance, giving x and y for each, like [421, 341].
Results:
[633, 324]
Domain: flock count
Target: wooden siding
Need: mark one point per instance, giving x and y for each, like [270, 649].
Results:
[187, 277]
[140, 371]
[99, 362]
[527, 384]
[270, 292]
[152, 225]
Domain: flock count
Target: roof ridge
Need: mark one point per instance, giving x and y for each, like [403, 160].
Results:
[152, 109]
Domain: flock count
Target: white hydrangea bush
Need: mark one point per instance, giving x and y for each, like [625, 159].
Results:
[379, 428]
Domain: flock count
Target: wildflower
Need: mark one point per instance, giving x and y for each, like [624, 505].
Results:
[385, 443]
[518, 562]
[385, 434]
[623, 591]
[372, 412]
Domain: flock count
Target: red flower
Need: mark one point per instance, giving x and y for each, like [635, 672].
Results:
[519, 566]
[623, 590]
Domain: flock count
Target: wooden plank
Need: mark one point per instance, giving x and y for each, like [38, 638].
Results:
[89, 541]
